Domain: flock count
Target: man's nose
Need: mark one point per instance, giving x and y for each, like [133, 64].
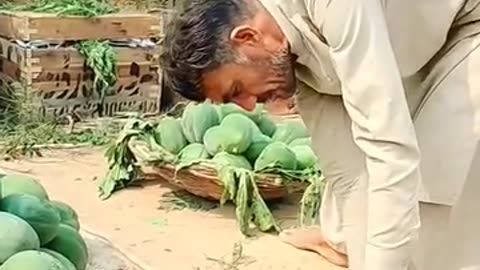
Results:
[248, 103]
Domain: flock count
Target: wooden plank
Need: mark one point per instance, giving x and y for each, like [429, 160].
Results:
[145, 101]
[10, 69]
[39, 26]
[74, 87]
[66, 57]
[69, 74]
[110, 107]
[53, 58]
[12, 52]
[148, 91]
[12, 26]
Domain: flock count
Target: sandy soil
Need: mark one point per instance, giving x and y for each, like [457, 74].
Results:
[154, 238]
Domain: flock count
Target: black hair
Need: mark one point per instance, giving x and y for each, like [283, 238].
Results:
[197, 41]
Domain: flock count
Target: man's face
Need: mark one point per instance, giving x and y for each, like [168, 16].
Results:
[264, 69]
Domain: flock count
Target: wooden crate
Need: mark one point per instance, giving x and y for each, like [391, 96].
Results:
[28, 26]
[62, 84]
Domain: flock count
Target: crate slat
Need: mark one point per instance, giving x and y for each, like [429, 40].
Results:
[112, 105]
[28, 26]
[67, 57]
[124, 84]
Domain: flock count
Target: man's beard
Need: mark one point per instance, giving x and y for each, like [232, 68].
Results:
[281, 65]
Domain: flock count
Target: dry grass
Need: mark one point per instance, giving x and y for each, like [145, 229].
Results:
[142, 5]
[233, 261]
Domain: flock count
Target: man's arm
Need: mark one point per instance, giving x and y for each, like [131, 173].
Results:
[375, 100]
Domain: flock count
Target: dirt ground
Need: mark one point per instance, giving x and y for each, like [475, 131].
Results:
[104, 255]
[153, 238]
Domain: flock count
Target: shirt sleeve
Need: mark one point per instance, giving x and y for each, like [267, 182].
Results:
[374, 97]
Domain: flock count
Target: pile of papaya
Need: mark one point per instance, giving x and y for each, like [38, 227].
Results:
[37, 232]
[232, 136]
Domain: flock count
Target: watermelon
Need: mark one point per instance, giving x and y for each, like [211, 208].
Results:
[68, 216]
[19, 184]
[32, 260]
[40, 214]
[70, 244]
[15, 236]
[67, 264]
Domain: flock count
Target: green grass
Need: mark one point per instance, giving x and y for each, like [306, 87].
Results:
[87, 8]
[24, 131]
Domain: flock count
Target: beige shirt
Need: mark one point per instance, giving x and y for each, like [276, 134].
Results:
[363, 50]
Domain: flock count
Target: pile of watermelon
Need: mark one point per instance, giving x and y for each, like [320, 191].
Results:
[36, 232]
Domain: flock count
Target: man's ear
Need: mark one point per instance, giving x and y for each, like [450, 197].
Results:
[244, 34]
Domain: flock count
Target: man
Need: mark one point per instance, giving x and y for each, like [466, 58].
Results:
[382, 85]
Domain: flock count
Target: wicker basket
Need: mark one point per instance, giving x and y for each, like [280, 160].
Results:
[202, 179]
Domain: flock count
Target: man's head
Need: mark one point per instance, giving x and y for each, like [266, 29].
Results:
[228, 51]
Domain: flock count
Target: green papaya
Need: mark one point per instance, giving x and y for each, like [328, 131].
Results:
[19, 184]
[192, 152]
[68, 215]
[266, 125]
[259, 143]
[226, 109]
[227, 159]
[306, 157]
[197, 119]
[70, 244]
[276, 154]
[212, 139]
[289, 131]
[170, 134]
[39, 214]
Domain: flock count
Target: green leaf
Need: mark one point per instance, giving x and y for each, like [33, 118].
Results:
[108, 185]
[243, 202]
[227, 176]
[262, 216]
[187, 164]
[311, 201]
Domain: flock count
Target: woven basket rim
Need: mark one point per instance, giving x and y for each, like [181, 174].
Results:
[208, 171]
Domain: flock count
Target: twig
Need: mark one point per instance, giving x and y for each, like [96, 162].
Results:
[55, 146]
